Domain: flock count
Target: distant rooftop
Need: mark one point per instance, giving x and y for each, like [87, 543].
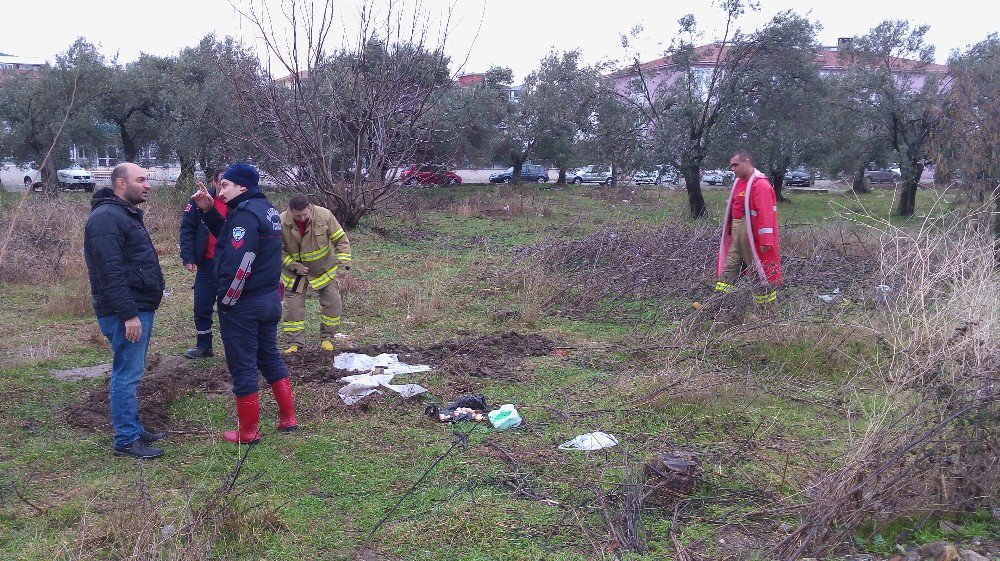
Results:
[6, 58]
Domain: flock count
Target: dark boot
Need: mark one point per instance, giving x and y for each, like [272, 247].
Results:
[203, 348]
[151, 437]
[139, 449]
[248, 415]
[199, 352]
[286, 407]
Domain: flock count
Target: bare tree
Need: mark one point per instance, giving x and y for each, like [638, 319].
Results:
[339, 124]
[686, 102]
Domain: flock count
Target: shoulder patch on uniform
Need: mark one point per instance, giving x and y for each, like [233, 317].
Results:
[238, 233]
[275, 218]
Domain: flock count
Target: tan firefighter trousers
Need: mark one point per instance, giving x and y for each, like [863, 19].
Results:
[294, 323]
[740, 260]
[740, 255]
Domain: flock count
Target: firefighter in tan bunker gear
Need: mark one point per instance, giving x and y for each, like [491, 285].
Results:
[315, 247]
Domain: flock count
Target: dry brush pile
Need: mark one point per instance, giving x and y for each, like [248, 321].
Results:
[918, 391]
[928, 440]
[674, 264]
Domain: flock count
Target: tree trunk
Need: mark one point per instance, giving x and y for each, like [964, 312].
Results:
[186, 177]
[910, 172]
[50, 181]
[858, 181]
[696, 200]
[348, 217]
[562, 177]
[778, 182]
[129, 148]
[518, 164]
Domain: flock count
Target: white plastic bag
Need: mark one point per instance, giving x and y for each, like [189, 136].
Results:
[590, 441]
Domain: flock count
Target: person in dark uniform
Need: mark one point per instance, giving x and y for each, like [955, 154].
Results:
[247, 269]
[198, 254]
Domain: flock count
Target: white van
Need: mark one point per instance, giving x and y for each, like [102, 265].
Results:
[19, 178]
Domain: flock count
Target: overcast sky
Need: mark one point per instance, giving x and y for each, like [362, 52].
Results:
[514, 33]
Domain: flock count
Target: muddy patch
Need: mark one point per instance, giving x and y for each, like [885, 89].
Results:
[498, 357]
[167, 379]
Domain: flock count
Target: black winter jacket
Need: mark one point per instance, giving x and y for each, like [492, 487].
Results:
[125, 275]
[194, 234]
[248, 247]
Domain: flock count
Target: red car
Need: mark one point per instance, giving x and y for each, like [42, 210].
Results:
[429, 174]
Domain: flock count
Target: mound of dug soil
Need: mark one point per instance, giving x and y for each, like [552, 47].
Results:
[167, 378]
[485, 356]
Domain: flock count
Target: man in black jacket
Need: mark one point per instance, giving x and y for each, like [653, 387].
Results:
[198, 253]
[126, 284]
[247, 267]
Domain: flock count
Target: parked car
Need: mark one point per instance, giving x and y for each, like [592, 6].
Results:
[75, 177]
[657, 176]
[719, 177]
[591, 174]
[800, 176]
[887, 176]
[16, 177]
[530, 173]
[429, 174]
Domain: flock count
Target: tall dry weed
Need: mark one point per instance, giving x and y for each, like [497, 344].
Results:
[928, 438]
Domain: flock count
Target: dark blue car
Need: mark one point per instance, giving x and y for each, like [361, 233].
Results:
[530, 173]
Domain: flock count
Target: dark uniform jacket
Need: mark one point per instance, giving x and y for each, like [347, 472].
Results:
[248, 250]
[194, 234]
[125, 275]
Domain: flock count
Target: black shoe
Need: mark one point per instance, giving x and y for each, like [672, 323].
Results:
[199, 353]
[139, 449]
[151, 437]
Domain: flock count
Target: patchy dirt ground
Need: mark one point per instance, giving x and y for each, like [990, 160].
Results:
[168, 378]
[498, 357]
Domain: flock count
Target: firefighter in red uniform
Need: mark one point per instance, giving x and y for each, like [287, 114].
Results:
[749, 244]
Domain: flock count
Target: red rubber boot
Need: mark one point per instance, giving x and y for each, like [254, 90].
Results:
[248, 414]
[286, 407]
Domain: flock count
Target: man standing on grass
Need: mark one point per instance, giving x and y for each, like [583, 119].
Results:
[198, 254]
[126, 284]
[248, 264]
[314, 248]
[750, 232]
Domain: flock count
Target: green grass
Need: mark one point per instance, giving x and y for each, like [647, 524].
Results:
[439, 275]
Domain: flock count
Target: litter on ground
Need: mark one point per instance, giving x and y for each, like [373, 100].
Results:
[379, 372]
[388, 363]
[466, 408]
[590, 441]
[506, 417]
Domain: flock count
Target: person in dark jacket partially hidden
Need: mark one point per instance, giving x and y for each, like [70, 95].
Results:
[126, 284]
[247, 268]
[198, 254]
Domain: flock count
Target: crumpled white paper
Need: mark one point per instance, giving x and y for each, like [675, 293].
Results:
[366, 363]
[590, 441]
[360, 386]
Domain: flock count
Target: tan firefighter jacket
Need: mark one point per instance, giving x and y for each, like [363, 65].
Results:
[322, 249]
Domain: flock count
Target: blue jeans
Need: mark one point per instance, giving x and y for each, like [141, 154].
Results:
[126, 372]
[250, 336]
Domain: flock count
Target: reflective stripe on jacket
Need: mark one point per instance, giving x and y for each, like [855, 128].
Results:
[323, 249]
[760, 206]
